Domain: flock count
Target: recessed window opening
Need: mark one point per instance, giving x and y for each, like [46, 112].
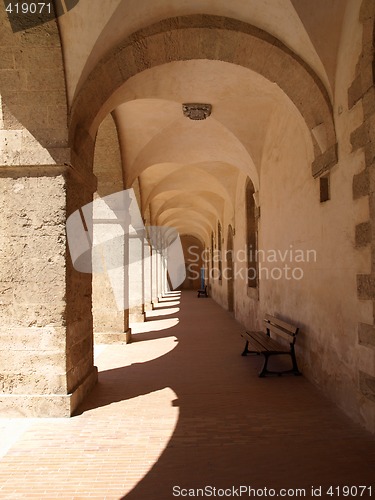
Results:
[325, 194]
[252, 237]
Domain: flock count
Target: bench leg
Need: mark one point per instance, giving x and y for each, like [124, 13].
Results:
[246, 350]
[264, 370]
[294, 361]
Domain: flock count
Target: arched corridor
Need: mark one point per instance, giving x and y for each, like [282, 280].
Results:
[181, 407]
[152, 147]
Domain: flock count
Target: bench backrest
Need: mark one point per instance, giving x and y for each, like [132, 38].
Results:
[282, 328]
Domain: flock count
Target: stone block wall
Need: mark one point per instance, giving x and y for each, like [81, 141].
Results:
[32, 285]
[46, 355]
[362, 93]
[33, 109]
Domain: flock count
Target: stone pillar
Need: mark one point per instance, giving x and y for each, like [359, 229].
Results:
[46, 342]
[363, 138]
[111, 325]
[154, 272]
[160, 274]
[110, 288]
[136, 279]
[165, 285]
[147, 269]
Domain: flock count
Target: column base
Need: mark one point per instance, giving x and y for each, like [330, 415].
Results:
[136, 317]
[113, 337]
[46, 405]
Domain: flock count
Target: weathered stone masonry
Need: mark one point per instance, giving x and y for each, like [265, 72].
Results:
[363, 91]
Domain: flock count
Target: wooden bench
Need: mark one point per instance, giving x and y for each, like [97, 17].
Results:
[203, 291]
[263, 343]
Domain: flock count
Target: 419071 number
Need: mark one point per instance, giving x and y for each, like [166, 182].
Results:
[349, 491]
[28, 8]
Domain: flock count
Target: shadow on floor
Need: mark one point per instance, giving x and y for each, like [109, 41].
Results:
[233, 428]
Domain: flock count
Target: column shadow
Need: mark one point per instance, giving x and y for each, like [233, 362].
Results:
[235, 429]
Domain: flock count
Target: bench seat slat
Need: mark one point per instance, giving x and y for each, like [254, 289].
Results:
[258, 340]
[266, 343]
[272, 344]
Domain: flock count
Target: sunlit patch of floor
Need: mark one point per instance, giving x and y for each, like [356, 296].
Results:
[153, 326]
[190, 412]
[11, 429]
[166, 303]
[128, 437]
[162, 312]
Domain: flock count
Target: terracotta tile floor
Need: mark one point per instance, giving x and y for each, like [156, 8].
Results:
[180, 407]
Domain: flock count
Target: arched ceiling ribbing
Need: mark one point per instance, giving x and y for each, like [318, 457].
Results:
[250, 72]
[212, 38]
[308, 28]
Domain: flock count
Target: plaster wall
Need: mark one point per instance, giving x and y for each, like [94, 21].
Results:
[193, 253]
[323, 301]
[219, 287]
[320, 241]
[246, 300]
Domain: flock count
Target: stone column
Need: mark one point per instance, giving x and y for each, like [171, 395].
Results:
[46, 341]
[136, 278]
[154, 272]
[160, 275]
[110, 288]
[164, 262]
[147, 269]
[111, 325]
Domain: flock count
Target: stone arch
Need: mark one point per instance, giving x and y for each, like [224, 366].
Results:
[177, 181]
[208, 37]
[176, 217]
[109, 323]
[159, 150]
[200, 202]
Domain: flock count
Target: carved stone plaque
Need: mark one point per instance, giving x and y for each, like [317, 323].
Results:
[196, 111]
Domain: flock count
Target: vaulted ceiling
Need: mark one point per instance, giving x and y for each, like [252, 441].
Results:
[189, 171]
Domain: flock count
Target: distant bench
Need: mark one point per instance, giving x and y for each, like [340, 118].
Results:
[203, 291]
[263, 343]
